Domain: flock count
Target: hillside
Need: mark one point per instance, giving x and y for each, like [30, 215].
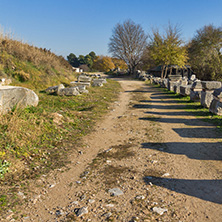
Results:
[30, 66]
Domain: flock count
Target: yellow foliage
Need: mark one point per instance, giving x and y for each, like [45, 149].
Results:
[119, 63]
[103, 64]
[2, 154]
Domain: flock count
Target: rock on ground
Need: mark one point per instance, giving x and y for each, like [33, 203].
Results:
[11, 96]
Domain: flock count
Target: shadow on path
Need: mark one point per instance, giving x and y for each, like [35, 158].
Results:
[199, 151]
[209, 190]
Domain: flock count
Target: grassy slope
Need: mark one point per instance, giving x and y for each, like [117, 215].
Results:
[38, 139]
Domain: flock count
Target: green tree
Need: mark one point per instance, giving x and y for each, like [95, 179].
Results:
[73, 60]
[88, 61]
[205, 53]
[81, 59]
[92, 55]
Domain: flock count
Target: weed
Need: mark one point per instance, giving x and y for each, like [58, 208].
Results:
[4, 168]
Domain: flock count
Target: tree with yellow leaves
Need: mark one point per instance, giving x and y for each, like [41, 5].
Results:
[119, 63]
[103, 63]
[167, 49]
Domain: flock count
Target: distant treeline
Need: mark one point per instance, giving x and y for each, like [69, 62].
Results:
[92, 62]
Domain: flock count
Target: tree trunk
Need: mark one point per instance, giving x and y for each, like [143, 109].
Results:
[171, 70]
[163, 67]
[165, 72]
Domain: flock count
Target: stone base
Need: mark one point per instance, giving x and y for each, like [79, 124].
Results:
[206, 98]
[171, 85]
[174, 78]
[195, 95]
[185, 90]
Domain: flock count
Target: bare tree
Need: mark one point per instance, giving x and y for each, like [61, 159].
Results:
[128, 42]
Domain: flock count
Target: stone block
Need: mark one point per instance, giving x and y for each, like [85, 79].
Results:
[103, 80]
[164, 83]
[175, 78]
[99, 81]
[216, 107]
[171, 85]
[210, 85]
[54, 89]
[82, 89]
[176, 88]
[218, 93]
[86, 84]
[193, 77]
[98, 84]
[83, 78]
[206, 98]
[11, 96]
[197, 85]
[71, 91]
[195, 95]
[185, 90]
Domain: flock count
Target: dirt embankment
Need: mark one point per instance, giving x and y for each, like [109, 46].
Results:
[166, 162]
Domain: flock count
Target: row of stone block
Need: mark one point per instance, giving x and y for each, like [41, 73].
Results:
[208, 93]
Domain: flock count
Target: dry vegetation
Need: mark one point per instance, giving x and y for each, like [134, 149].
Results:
[32, 66]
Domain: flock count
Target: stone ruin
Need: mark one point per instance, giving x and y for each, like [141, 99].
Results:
[80, 86]
[208, 93]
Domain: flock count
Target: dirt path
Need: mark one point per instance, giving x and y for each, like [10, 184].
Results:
[158, 155]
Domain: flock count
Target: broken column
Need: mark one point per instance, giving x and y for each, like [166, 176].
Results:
[173, 81]
[216, 104]
[207, 92]
[179, 83]
[195, 91]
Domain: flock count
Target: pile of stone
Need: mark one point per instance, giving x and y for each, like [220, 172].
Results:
[195, 91]
[77, 87]
[141, 75]
[60, 90]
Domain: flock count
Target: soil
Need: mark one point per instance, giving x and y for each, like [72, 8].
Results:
[155, 152]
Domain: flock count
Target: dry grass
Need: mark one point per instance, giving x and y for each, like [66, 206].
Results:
[26, 52]
[111, 175]
[118, 152]
[34, 67]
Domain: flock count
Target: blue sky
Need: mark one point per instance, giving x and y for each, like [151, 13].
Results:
[81, 26]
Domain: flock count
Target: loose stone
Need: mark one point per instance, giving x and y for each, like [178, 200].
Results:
[140, 197]
[91, 201]
[115, 192]
[59, 213]
[159, 210]
[81, 211]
